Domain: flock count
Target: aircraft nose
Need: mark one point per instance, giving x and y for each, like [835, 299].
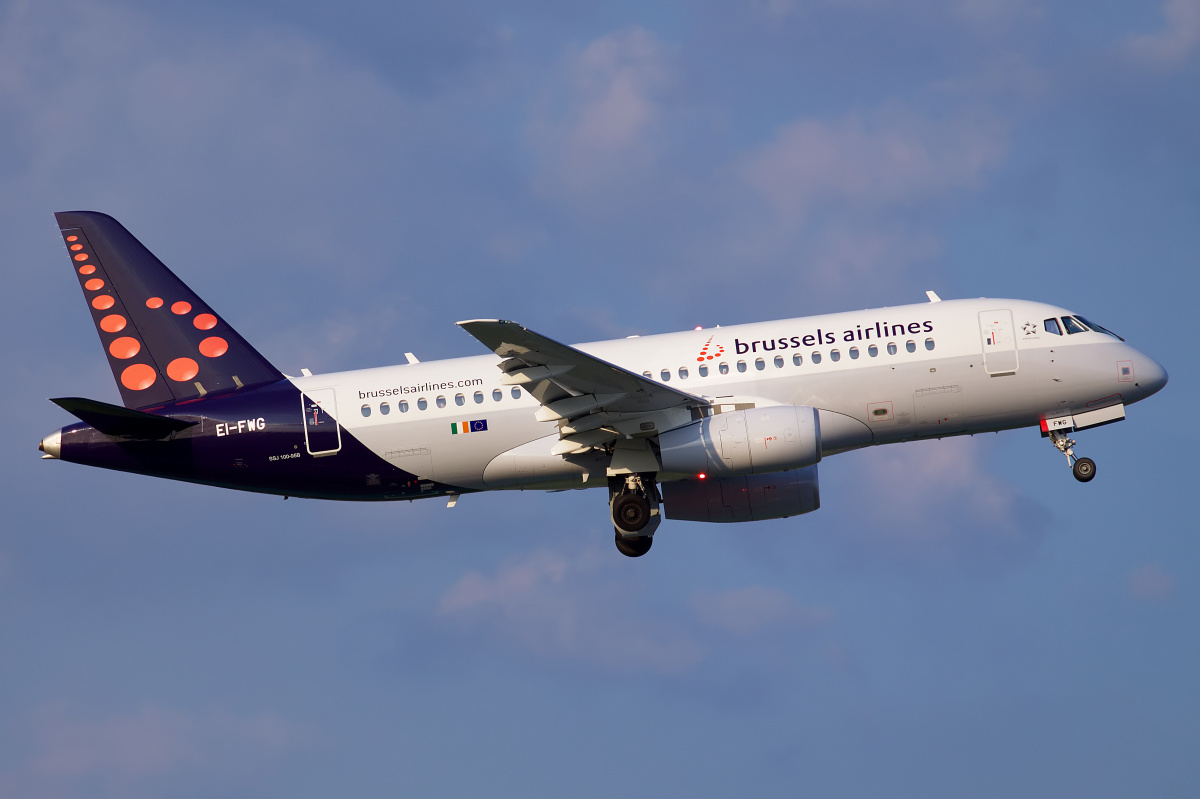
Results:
[1151, 376]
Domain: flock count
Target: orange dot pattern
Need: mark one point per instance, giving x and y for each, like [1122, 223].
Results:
[717, 353]
[138, 377]
[182, 369]
[214, 347]
[141, 376]
[125, 347]
[113, 323]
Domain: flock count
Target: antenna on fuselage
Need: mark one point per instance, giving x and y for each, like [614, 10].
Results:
[933, 297]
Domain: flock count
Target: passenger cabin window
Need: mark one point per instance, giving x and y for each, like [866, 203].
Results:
[478, 397]
[854, 353]
[929, 344]
[459, 399]
[760, 364]
[873, 351]
[1051, 327]
[665, 374]
[703, 370]
[816, 357]
[422, 404]
[741, 366]
[1073, 326]
[516, 393]
[497, 395]
[441, 402]
[385, 409]
[723, 368]
[778, 361]
[834, 355]
[910, 345]
[683, 373]
[403, 406]
[647, 375]
[797, 359]
[1097, 327]
[892, 348]
[366, 410]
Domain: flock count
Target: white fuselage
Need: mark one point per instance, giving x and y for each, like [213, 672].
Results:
[877, 376]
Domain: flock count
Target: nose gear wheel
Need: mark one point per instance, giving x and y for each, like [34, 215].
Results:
[1084, 469]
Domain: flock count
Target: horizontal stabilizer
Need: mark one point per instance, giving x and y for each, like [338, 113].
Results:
[113, 420]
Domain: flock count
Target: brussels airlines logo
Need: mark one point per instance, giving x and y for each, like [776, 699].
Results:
[704, 356]
[871, 331]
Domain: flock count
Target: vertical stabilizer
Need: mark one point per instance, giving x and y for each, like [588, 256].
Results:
[163, 342]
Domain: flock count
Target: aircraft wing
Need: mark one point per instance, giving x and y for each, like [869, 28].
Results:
[568, 382]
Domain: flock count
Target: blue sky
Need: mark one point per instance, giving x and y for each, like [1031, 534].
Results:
[345, 181]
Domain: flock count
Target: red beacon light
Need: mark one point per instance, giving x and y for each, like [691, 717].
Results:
[702, 476]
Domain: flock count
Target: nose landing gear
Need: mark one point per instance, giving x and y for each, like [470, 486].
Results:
[1084, 469]
[633, 501]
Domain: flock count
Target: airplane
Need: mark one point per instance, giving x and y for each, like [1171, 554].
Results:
[725, 424]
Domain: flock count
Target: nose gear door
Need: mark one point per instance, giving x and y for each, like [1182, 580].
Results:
[999, 342]
[321, 433]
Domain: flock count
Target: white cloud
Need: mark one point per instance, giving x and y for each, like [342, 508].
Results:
[753, 609]
[893, 159]
[569, 608]
[936, 502]
[586, 608]
[1175, 41]
[597, 127]
[123, 749]
[1151, 581]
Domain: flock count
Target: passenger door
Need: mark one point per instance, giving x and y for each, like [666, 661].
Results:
[999, 342]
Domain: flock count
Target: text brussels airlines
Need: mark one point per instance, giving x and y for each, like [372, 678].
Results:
[871, 332]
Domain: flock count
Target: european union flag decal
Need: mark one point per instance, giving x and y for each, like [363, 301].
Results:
[475, 426]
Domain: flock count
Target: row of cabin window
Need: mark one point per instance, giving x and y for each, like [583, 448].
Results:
[422, 403]
[797, 359]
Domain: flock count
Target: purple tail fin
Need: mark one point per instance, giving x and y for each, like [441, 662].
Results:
[164, 343]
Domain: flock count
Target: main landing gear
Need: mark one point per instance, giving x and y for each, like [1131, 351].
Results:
[1084, 469]
[633, 500]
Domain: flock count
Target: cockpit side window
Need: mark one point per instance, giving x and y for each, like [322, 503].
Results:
[1097, 327]
[1073, 326]
[1051, 327]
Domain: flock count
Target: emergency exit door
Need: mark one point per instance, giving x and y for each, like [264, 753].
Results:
[999, 342]
[321, 433]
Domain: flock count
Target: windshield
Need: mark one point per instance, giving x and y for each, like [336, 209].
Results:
[1097, 328]
[1073, 325]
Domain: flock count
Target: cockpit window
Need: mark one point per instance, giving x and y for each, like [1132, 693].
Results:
[1097, 327]
[1051, 327]
[1073, 326]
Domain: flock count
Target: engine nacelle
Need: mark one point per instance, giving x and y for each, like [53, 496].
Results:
[756, 441]
[745, 498]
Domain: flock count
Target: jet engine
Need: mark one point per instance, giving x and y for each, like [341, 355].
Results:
[756, 441]
[742, 498]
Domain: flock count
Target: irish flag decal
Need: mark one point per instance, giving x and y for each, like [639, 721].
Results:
[477, 426]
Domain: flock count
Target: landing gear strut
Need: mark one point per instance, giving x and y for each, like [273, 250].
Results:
[633, 500]
[1084, 469]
